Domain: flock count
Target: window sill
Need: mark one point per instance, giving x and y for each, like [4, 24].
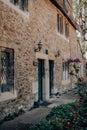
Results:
[7, 96]
[23, 13]
[64, 82]
[63, 36]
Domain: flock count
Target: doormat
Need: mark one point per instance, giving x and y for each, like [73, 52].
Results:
[45, 103]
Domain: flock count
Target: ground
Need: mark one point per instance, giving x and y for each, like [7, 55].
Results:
[35, 115]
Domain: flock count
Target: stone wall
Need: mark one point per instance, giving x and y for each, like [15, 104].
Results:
[15, 33]
[22, 32]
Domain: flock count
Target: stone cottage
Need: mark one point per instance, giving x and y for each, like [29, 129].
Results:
[36, 38]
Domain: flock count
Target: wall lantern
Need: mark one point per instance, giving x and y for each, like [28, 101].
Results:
[35, 63]
[58, 53]
[40, 44]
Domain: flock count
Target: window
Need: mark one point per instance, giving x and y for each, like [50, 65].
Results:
[65, 72]
[81, 71]
[7, 70]
[86, 69]
[65, 6]
[66, 30]
[86, 9]
[15, 2]
[64, 3]
[60, 24]
[22, 4]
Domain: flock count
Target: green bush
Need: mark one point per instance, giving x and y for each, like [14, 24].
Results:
[33, 127]
[42, 125]
[72, 116]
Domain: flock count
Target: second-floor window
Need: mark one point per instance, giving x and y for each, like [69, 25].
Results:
[64, 3]
[65, 6]
[86, 69]
[22, 4]
[6, 70]
[60, 24]
[66, 30]
[65, 71]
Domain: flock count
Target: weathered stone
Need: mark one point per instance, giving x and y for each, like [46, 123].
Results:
[22, 33]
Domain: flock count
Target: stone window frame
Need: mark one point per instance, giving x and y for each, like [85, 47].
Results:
[62, 26]
[81, 70]
[21, 4]
[64, 3]
[60, 23]
[11, 94]
[85, 69]
[66, 29]
[65, 71]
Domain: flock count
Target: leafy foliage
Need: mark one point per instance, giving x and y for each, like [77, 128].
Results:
[72, 116]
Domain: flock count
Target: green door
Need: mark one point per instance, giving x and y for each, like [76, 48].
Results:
[41, 74]
[51, 76]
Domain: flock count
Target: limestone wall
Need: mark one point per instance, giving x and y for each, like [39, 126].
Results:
[22, 31]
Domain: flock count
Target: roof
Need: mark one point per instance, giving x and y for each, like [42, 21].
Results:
[70, 19]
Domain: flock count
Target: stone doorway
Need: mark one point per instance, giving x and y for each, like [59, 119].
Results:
[41, 79]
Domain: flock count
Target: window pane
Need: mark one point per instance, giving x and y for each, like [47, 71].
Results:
[58, 24]
[22, 4]
[15, 2]
[7, 70]
[65, 74]
[66, 30]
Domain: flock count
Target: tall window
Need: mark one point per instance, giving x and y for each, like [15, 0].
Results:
[65, 71]
[22, 4]
[15, 2]
[66, 30]
[86, 69]
[7, 70]
[60, 23]
[65, 6]
[81, 71]
[64, 3]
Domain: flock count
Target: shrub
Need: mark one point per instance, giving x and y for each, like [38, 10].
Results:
[72, 116]
[42, 125]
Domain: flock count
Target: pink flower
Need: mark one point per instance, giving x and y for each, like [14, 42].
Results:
[81, 100]
[76, 106]
[68, 124]
[75, 115]
[70, 60]
[81, 80]
[72, 111]
[76, 60]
